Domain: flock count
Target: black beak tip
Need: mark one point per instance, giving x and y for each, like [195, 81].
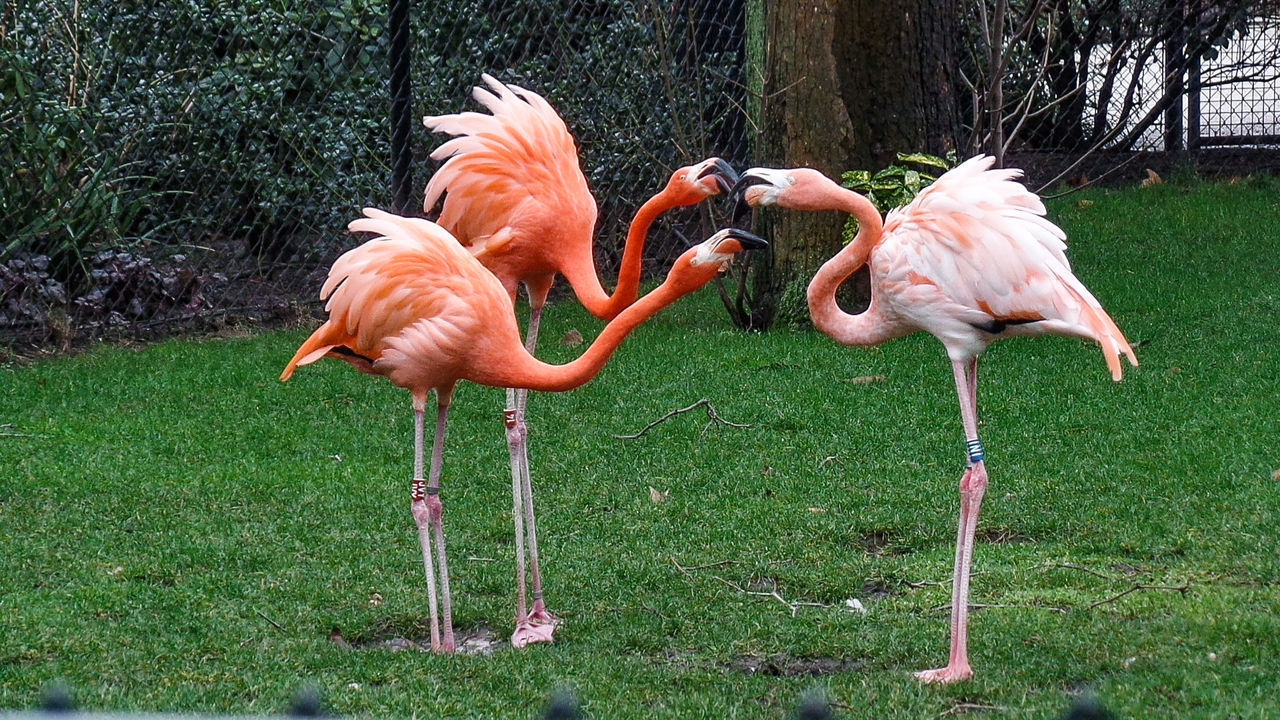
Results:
[748, 241]
[726, 177]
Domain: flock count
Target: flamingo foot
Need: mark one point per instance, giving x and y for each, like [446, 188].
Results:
[950, 674]
[527, 631]
[541, 615]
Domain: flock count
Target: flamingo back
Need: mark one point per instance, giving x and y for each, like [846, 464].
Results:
[511, 179]
[409, 305]
[973, 256]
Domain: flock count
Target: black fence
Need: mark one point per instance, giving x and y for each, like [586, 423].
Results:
[57, 704]
[189, 164]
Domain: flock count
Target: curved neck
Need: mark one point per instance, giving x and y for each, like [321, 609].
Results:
[519, 369]
[867, 327]
[586, 283]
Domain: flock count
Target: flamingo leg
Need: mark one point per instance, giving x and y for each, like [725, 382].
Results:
[428, 512]
[537, 625]
[973, 485]
[421, 516]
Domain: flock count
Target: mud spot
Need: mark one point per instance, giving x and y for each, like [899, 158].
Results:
[876, 590]
[875, 542]
[787, 666]
[480, 640]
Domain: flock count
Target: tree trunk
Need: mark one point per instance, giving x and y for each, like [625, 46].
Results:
[841, 85]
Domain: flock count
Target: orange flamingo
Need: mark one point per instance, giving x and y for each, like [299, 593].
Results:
[971, 260]
[514, 193]
[413, 305]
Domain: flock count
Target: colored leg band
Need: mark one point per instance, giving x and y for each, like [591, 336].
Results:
[419, 490]
[975, 450]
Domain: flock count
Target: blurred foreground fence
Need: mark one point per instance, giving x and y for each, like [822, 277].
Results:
[185, 164]
[57, 704]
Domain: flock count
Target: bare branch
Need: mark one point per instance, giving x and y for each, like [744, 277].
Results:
[1180, 589]
[712, 418]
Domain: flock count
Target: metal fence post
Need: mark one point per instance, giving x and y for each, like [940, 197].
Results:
[1175, 49]
[401, 106]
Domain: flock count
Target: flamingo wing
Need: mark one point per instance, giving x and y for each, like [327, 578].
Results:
[974, 249]
[509, 177]
[410, 304]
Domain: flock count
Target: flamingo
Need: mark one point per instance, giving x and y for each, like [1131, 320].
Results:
[414, 306]
[971, 260]
[514, 193]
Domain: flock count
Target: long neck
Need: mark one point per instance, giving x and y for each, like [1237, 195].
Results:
[585, 282]
[865, 328]
[521, 370]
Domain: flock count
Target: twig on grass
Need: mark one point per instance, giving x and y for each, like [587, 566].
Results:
[965, 707]
[274, 624]
[982, 606]
[685, 570]
[791, 605]
[713, 417]
[1180, 589]
[1069, 566]
[6, 430]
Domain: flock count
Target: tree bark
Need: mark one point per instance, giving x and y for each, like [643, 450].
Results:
[841, 85]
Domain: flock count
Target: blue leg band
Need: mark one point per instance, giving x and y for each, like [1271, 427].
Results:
[975, 450]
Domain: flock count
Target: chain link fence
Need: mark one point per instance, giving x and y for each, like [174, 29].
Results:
[179, 165]
[183, 164]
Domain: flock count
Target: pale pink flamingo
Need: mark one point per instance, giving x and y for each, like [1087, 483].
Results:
[512, 190]
[971, 260]
[414, 306]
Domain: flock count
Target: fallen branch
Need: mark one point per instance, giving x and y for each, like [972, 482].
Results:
[1180, 589]
[985, 606]
[712, 418]
[792, 606]
[1069, 566]
[6, 431]
[274, 624]
[966, 707]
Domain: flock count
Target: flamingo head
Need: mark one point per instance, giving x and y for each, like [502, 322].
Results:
[796, 188]
[692, 184]
[701, 263]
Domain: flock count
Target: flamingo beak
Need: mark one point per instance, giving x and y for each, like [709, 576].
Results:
[747, 240]
[726, 177]
[738, 195]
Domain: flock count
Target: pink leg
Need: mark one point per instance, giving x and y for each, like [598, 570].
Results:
[428, 513]
[973, 486]
[538, 625]
[422, 517]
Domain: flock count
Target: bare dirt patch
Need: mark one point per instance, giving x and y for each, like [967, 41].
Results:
[788, 666]
[480, 640]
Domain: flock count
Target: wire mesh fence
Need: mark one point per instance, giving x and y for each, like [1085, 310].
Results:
[184, 164]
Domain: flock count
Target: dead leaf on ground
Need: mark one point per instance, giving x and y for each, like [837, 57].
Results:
[1152, 179]
[1275, 475]
[1084, 204]
[658, 497]
[375, 600]
[864, 379]
[573, 338]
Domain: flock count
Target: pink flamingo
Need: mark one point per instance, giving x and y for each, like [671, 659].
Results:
[414, 306]
[514, 193]
[971, 260]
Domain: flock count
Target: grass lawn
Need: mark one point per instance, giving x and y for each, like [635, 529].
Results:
[182, 532]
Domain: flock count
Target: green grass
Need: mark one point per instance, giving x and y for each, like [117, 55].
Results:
[182, 532]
